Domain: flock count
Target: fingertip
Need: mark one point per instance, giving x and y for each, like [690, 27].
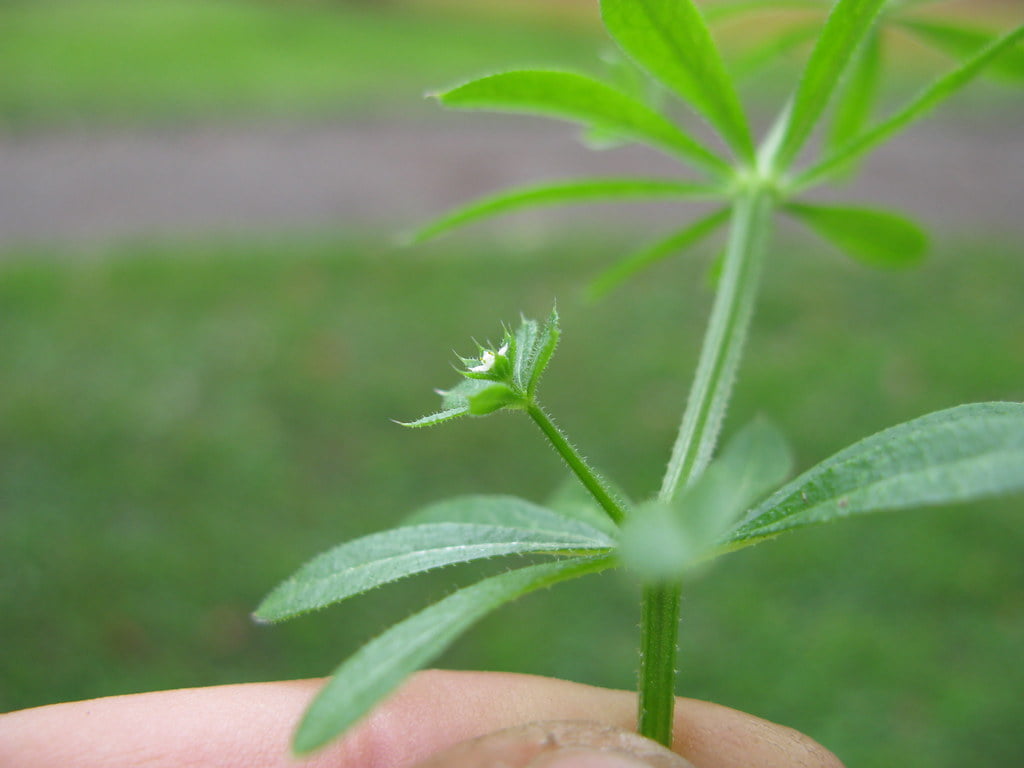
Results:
[558, 744]
[716, 736]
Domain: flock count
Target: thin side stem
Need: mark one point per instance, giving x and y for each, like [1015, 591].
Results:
[590, 479]
[698, 433]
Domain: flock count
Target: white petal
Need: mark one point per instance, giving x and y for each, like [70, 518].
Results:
[486, 363]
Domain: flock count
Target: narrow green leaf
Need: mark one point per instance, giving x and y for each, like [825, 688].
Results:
[942, 89]
[513, 512]
[454, 403]
[961, 42]
[957, 455]
[625, 75]
[660, 542]
[848, 25]
[858, 94]
[583, 191]
[670, 39]
[752, 61]
[379, 667]
[752, 463]
[436, 418]
[877, 238]
[358, 566]
[678, 241]
[582, 99]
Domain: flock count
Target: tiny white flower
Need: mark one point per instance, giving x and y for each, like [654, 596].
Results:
[486, 362]
[488, 358]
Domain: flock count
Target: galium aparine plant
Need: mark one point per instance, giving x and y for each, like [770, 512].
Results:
[711, 501]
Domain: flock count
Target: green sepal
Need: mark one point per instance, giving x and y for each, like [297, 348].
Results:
[459, 395]
[493, 398]
[535, 345]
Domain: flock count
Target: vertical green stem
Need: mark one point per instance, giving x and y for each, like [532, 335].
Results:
[698, 433]
[659, 625]
[723, 342]
[590, 479]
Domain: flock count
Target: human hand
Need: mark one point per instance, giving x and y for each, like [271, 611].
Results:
[437, 720]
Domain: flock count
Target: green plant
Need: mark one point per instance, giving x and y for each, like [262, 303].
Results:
[707, 505]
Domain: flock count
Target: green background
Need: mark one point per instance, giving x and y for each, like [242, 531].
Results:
[183, 423]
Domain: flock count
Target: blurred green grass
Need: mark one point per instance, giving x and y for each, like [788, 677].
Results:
[103, 60]
[183, 424]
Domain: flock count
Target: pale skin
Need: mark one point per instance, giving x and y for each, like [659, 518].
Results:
[436, 720]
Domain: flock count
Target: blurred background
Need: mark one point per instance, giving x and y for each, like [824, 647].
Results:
[206, 327]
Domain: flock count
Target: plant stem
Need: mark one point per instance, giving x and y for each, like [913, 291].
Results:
[723, 342]
[590, 479]
[659, 625]
[698, 433]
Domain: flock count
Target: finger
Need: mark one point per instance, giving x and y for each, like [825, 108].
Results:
[438, 709]
[558, 744]
[250, 726]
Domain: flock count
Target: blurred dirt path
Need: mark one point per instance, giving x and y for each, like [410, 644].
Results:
[97, 187]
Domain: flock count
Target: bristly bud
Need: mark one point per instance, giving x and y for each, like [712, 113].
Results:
[502, 376]
[491, 364]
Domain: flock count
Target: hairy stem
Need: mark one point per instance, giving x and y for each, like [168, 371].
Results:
[590, 479]
[659, 624]
[723, 343]
[698, 433]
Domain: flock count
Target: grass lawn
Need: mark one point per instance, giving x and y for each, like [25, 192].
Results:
[181, 425]
[103, 60]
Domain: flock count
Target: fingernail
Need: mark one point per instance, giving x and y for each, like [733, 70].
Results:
[587, 758]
